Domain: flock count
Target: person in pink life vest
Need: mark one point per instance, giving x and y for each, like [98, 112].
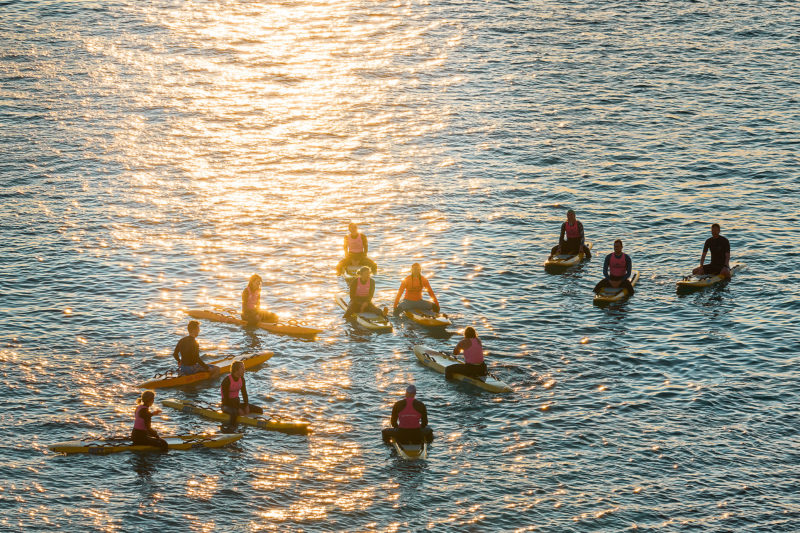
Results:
[409, 421]
[187, 353]
[229, 390]
[355, 251]
[362, 288]
[412, 287]
[474, 366]
[142, 432]
[251, 304]
[572, 229]
[617, 270]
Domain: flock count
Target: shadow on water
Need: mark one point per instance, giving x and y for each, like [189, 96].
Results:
[145, 465]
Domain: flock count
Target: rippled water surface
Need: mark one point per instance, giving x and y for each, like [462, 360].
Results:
[156, 154]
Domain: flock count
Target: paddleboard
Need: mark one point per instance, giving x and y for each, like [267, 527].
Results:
[171, 378]
[428, 318]
[563, 261]
[351, 271]
[290, 327]
[411, 452]
[691, 283]
[438, 361]
[125, 444]
[611, 294]
[370, 321]
[271, 422]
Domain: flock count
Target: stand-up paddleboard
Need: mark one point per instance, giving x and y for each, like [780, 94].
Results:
[369, 321]
[693, 283]
[611, 294]
[272, 422]
[564, 261]
[440, 360]
[428, 318]
[290, 327]
[411, 452]
[171, 378]
[125, 444]
[351, 271]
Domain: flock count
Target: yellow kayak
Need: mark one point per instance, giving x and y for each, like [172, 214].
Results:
[428, 318]
[564, 261]
[692, 283]
[125, 444]
[411, 452]
[611, 294]
[438, 361]
[291, 327]
[266, 421]
[171, 378]
[369, 321]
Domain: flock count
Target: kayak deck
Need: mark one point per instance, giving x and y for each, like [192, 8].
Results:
[702, 281]
[171, 378]
[428, 318]
[270, 422]
[291, 327]
[125, 444]
[611, 294]
[370, 321]
[411, 452]
[438, 361]
[564, 261]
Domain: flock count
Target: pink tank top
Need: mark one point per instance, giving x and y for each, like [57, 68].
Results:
[572, 231]
[355, 246]
[617, 266]
[233, 388]
[362, 289]
[253, 298]
[138, 421]
[474, 354]
[409, 418]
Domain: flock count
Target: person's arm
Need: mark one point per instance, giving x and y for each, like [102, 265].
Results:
[364, 240]
[353, 284]
[605, 266]
[176, 353]
[224, 387]
[395, 413]
[371, 288]
[705, 250]
[419, 406]
[244, 300]
[580, 231]
[561, 239]
[728, 254]
[427, 285]
[400, 292]
[628, 266]
[346, 247]
[460, 347]
[244, 391]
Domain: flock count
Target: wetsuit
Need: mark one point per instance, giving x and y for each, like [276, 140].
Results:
[614, 272]
[473, 365]
[229, 390]
[356, 254]
[187, 354]
[720, 249]
[412, 287]
[142, 433]
[360, 293]
[573, 242]
[409, 423]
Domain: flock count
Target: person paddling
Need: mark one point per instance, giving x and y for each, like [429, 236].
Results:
[142, 432]
[574, 242]
[355, 251]
[409, 421]
[412, 287]
[474, 365]
[251, 304]
[229, 390]
[187, 353]
[617, 270]
[720, 249]
[362, 288]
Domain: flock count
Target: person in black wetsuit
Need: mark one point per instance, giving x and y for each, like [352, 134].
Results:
[409, 421]
[187, 353]
[142, 433]
[720, 250]
[572, 229]
[229, 390]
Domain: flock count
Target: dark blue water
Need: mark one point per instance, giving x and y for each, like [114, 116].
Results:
[156, 155]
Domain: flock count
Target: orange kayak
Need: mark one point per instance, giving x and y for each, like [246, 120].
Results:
[171, 378]
[292, 327]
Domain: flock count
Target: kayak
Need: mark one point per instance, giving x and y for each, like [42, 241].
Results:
[411, 452]
[428, 318]
[171, 378]
[370, 321]
[692, 283]
[611, 294]
[271, 422]
[125, 444]
[351, 271]
[564, 261]
[290, 327]
[438, 361]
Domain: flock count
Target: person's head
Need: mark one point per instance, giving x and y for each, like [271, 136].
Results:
[353, 228]
[469, 333]
[147, 398]
[364, 272]
[571, 216]
[237, 369]
[411, 391]
[194, 328]
[254, 283]
[714, 229]
[416, 270]
[618, 246]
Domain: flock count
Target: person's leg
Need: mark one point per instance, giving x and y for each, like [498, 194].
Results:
[372, 309]
[370, 263]
[626, 285]
[251, 317]
[459, 368]
[587, 253]
[232, 408]
[254, 409]
[602, 284]
[267, 316]
[427, 434]
[387, 435]
[422, 305]
[185, 370]
[554, 250]
[143, 438]
[340, 266]
[352, 307]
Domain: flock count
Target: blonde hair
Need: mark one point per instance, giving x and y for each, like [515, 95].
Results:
[147, 396]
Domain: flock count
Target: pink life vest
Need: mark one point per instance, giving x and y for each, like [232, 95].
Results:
[409, 418]
[362, 289]
[355, 245]
[138, 421]
[474, 354]
[572, 231]
[253, 298]
[617, 266]
[234, 387]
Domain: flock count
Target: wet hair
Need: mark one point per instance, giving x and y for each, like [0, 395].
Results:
[715, 225]
[362, 269]
[253, 279]
[419, 277]
[570, 212]
[618, 241]
[193, 324]
[235, 365]
[469, 333]
[147, 396]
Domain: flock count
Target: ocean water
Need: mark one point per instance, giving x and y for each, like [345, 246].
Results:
[155, 155]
